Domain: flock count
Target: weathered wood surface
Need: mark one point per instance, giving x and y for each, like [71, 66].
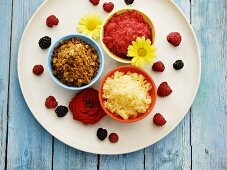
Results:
[209, 111]
[29, 146]
[5, 32]
[65, 157]
[199, 142]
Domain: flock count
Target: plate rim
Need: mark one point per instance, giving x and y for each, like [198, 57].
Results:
[82, 148]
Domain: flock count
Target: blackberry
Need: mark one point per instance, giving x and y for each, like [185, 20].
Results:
[128, 2]
[101, 134]
[178, 65]
[61, 111]
[45, 42]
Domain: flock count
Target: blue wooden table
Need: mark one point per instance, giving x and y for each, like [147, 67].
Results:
[199, 142]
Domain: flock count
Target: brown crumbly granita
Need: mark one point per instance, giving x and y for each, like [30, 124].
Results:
[75, 63]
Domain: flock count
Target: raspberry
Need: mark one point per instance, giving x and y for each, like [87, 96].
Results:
[102, 134]
[51, 21]
[113, 137]
[174, 38]
[178, 65]
[164, 89]
[128, 2]
[61, 111]
[94, 2]
[51, 102]
[158, 66]
[108, 6]
[159, 120]
[45, 42]
[38, 70]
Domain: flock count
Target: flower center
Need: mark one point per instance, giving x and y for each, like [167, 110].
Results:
[91, 26]
[142, 52]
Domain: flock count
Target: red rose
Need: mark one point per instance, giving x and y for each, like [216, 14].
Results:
[85, 107]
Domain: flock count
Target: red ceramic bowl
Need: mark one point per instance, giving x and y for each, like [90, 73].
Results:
[153, 93]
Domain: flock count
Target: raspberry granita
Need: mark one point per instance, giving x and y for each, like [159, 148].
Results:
[122, 29]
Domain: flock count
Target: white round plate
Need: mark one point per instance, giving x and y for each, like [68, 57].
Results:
[167, 18]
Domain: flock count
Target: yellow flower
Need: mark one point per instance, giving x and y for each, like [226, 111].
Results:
[142, 51]
[90, 25]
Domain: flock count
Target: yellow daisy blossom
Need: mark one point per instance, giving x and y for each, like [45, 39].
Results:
[90, 25]
[142, 51]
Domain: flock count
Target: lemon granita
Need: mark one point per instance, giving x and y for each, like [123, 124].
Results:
[127, 95]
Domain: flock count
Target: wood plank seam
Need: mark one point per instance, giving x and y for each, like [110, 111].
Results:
[144, 159]
[52, 161]
[98, 157]
[190, 133]
[9, 72]
[190, 116]
[190, 11]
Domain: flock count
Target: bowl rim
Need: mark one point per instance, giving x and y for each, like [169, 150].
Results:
[118, 118]
[109, 16]
[85, 39]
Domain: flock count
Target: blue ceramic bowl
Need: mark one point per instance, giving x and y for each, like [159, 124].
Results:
[88, 41]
